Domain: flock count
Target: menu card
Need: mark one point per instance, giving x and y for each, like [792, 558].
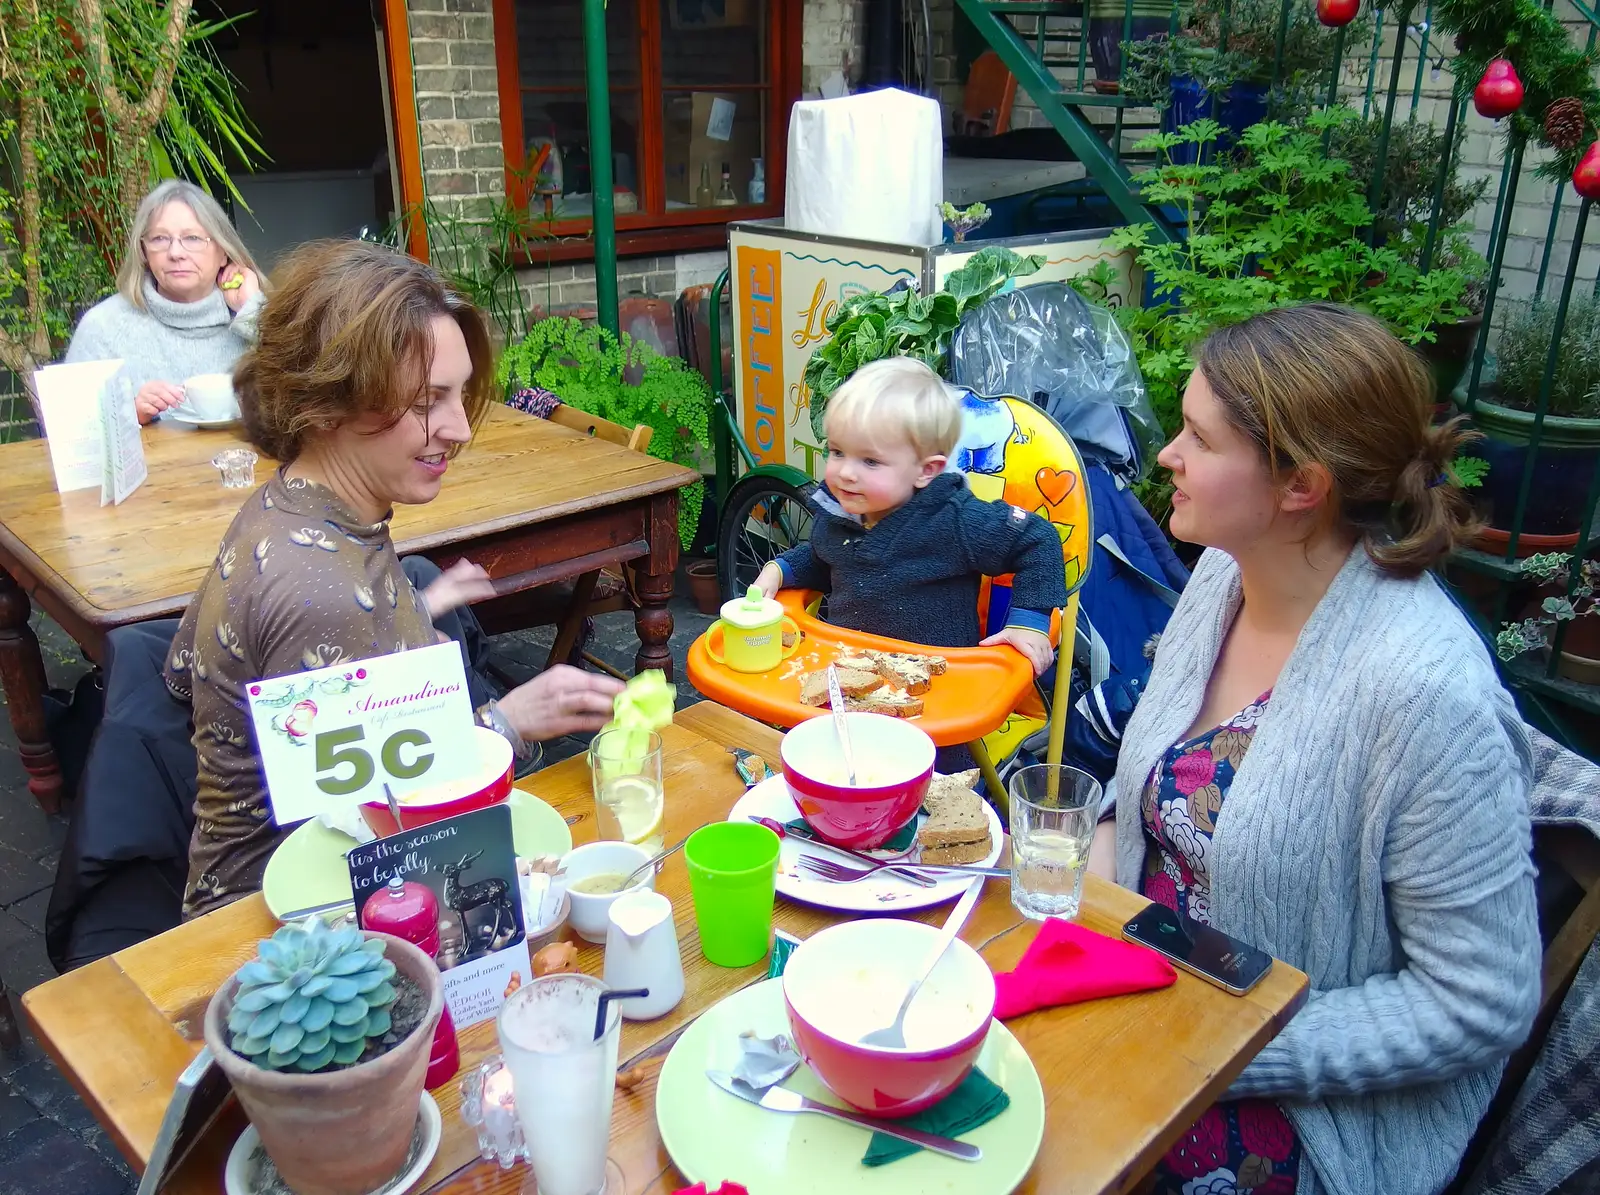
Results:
[470, 864]
[70, 401]
[123, 468]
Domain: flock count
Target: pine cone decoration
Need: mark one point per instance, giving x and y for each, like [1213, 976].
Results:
[1565, 123]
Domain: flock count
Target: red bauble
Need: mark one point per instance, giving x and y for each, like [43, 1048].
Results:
[1499, 92]
[1334, 13]
[1586, 176]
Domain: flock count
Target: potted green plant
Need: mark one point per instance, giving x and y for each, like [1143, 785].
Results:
[1230, 51]
[325, 1037]
[1569, 441]
[1276, 221]
[1580, 648]
[902, 323]
[623, 380]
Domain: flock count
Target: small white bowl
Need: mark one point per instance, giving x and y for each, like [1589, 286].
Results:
[590, 913]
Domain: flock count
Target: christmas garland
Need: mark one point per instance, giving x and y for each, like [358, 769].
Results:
[1504, 42]
[1516, 62]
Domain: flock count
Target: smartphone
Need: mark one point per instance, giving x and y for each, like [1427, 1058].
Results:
[1200, 950]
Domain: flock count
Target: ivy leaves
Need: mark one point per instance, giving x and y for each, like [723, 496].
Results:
[903, 323]
[623, 380]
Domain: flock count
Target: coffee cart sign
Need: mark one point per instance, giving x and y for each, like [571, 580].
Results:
[336, 736]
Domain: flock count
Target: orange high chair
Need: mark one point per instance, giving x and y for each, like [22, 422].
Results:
[1010, 451]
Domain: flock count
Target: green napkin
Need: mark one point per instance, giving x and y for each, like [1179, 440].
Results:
[977, 1101]
[903, 837]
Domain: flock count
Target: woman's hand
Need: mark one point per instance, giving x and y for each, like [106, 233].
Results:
[1033, 644]
[239, 285]
[154, 397]
[1103, 851]
[561, 700]
[459, 585]
[770, 579]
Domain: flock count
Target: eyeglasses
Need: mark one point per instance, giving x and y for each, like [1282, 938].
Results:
[192, 243]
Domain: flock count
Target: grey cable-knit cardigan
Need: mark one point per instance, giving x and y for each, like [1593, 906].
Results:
[1376, 837]
[167, 341]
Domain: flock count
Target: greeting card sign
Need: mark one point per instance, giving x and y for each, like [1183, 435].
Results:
[336, 736]
[470, 865]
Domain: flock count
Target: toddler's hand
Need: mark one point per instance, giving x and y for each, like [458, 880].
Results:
[770, 579]
[459, 585]
[1033, 644]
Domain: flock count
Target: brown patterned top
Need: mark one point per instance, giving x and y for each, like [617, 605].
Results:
[300, 582]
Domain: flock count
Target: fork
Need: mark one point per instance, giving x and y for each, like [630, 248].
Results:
[840, 874]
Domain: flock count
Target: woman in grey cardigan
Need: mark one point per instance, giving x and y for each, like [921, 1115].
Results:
[188, 297]
[1325, 765]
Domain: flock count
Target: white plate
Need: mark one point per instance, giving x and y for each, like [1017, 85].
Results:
[195, 421]
[880, 893]
[711, 1135]
[237, 1181]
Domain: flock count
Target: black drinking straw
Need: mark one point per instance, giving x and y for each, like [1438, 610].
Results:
[605, 999]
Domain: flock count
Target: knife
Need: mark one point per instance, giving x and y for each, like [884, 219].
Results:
[781, 1099]
[810, 835]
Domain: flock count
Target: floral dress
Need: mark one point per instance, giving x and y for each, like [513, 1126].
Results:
[1240, 1146]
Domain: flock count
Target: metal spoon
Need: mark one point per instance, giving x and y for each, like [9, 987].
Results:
[649, 863]
[894, 1036]
[836, 700]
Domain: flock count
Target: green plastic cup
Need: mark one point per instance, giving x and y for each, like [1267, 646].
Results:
[733, 871]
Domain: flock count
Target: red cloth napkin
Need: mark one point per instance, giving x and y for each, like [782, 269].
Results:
[1067, 964]
[700, 1189]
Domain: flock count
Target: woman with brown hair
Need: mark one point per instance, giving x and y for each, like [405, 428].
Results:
[368, 377]
[1325, 765]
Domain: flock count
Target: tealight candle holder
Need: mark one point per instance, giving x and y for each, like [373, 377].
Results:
[489, 1107]
[237, 466]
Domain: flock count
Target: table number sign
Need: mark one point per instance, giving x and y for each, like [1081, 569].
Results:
[335, 736]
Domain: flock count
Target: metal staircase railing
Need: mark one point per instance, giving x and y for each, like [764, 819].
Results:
[1063, 104]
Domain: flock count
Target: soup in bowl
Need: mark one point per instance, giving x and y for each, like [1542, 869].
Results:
[488, 783]
[844, 982]
[894, 763]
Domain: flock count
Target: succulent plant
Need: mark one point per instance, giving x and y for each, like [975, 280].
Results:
[311, 998]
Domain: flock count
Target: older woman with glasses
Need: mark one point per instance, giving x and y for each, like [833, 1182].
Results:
[188, 297]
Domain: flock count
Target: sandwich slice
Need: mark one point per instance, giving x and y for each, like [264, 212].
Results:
[853, 682]
[896, 703]
[957, 827]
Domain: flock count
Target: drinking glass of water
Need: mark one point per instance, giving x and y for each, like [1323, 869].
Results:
[1054, 810]
[625, 766]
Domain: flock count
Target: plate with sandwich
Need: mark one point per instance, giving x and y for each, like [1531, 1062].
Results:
[955, 825]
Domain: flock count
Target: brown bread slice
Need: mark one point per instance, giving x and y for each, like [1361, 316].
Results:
[954, 819]
[852, 683]
[905, 672]
[895, 702]
[966, 852]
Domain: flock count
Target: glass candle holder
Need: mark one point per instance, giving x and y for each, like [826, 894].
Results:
[237, 466]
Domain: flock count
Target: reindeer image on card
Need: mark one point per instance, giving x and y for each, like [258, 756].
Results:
[469, 866]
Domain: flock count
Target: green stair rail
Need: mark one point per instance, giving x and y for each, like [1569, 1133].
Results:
[1060, 106]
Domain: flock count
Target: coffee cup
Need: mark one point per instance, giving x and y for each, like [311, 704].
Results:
[209, 397]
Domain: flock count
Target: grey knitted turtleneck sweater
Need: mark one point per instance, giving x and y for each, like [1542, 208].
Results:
[167, 341]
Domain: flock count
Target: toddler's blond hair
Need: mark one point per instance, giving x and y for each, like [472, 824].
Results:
[899, 397]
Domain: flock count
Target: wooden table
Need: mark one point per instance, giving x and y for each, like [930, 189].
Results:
[1122, 1078]
[530, 501]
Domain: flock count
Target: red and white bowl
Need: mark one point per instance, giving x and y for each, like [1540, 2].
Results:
[844, 982]
[894, 762]
[488, 783]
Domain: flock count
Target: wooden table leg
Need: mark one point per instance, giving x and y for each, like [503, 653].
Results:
[22, 673]
[654, 575]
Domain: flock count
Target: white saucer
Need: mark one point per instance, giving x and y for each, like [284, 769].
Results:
[189, 420]
[236, 1178]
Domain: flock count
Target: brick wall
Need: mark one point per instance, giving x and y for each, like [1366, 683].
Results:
[834, 39]
[458, 103]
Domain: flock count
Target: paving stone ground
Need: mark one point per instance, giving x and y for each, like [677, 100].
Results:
[49, 1141]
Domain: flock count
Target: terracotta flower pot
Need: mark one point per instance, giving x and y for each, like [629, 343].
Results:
[344, 1132]
[703, 587]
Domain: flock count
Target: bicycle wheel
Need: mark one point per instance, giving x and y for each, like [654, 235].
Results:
[764, 518]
